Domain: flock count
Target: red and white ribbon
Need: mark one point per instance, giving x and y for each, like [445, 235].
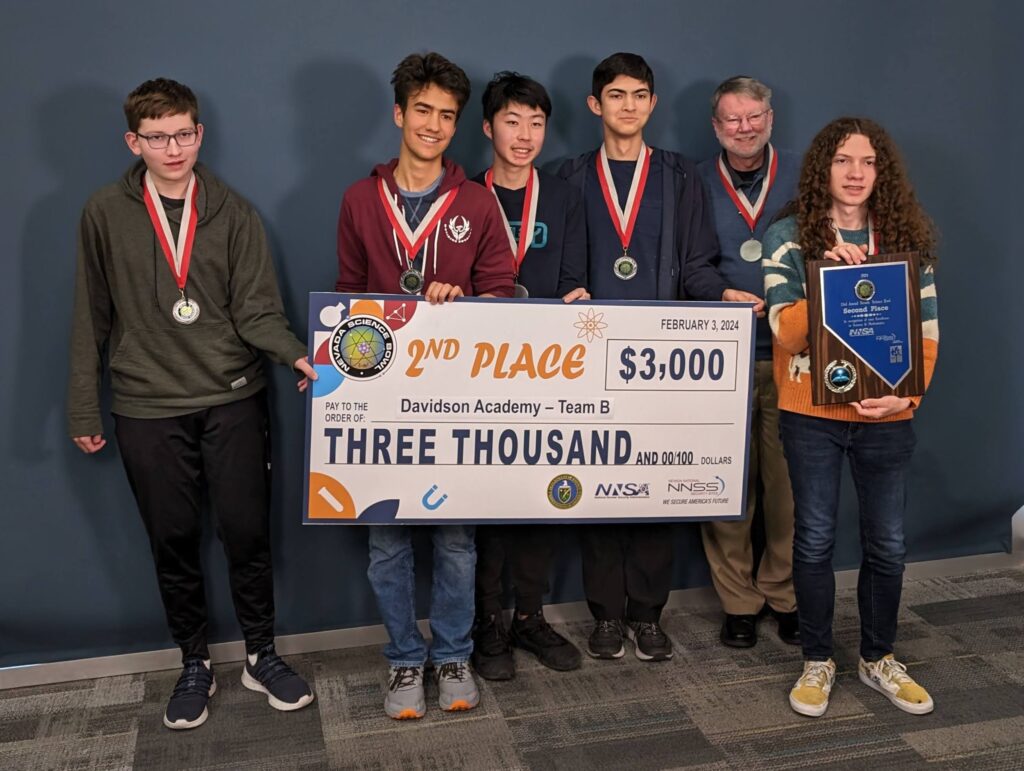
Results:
[751, 212]
[178, 253]
[624, 220]
[527, 220]
[411, 240]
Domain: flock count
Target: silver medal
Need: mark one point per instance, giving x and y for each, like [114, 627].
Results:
[625, 267]
[750, 250]
[411, 281]
[520, 291]
[185, 311]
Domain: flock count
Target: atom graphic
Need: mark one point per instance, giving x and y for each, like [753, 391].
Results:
[362, 347]
[590, 325]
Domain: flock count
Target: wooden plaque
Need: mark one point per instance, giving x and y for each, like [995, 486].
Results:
[865, 328]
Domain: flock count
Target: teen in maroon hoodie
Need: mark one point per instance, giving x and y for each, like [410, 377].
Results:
[464, 247]
[418, 213]
[416, 225]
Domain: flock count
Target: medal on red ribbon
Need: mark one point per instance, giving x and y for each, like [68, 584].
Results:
[527, 222]
[750, 250]
[412, 280]
[625, 267]
[177, 252]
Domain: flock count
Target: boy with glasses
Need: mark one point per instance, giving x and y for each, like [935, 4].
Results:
[175, 290]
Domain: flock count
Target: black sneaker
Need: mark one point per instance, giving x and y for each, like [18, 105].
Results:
[187, 705]
[269, 674]
[534, 634]
[492, 654]
[652, 644]
[605, 642]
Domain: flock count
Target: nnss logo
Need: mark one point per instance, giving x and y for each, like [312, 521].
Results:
[540, 233]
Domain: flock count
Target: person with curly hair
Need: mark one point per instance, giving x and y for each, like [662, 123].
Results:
[853, 199]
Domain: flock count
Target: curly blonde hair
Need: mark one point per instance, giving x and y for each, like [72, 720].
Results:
[900, 224]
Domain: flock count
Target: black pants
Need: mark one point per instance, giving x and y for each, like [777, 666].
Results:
[627, 570]
[527, 549]
[168, 460]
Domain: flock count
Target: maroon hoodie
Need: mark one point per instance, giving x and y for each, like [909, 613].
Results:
[468, 246]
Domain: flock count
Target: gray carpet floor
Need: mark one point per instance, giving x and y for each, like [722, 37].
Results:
[709, 708]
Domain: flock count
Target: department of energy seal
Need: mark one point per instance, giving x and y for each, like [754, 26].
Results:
[565, 491]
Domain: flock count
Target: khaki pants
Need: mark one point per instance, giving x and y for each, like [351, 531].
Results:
[727, 544]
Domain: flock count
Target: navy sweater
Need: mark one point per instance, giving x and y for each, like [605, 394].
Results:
[733, 230]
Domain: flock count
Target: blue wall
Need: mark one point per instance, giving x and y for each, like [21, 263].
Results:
[297, 106]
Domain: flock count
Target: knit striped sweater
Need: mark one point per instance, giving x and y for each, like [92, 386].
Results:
[785, 284]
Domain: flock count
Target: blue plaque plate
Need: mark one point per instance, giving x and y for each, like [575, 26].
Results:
[865, 328]
[865, 307]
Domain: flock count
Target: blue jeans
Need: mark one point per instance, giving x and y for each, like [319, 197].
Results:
[879, 456]
[393, 580]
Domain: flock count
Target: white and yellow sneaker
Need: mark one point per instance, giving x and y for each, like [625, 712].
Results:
[810, 694]
[889, 677]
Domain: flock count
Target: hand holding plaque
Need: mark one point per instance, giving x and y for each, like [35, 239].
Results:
[865, 328]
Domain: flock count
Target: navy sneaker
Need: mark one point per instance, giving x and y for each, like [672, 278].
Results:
[267, 673]
[187, 705]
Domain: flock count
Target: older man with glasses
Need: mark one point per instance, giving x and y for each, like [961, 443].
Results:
[747, 184]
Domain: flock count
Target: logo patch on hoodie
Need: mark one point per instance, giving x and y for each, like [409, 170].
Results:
[458, 229]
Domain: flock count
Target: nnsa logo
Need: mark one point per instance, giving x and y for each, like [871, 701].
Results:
[623, 490]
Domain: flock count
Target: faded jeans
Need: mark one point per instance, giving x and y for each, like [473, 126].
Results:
[392, 577]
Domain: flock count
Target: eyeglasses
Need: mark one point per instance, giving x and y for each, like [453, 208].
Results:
[184, 138]
[756, 120]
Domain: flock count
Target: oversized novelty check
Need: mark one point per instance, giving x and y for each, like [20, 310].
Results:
[509, 411]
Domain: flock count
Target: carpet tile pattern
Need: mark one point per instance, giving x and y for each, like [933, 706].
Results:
[709, 708]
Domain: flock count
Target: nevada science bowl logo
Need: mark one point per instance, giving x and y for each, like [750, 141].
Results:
[362, 347]
[565, 491]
